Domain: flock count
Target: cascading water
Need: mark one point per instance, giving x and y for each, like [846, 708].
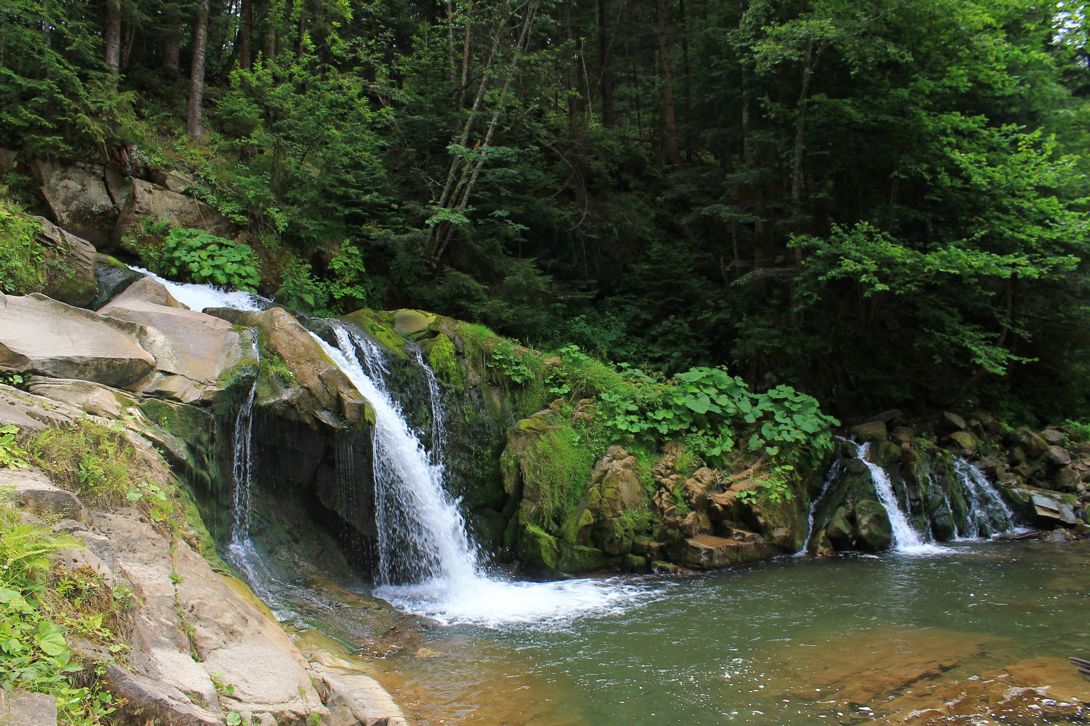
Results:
[427, 563]
[905, 538]
[988, 513]
[198, 297]
[830, 477]
[435, 401]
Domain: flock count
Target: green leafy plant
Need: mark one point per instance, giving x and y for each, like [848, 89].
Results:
[15, 380]
[182, 253]
[22, 259]
[155, 500]
[506, 360]
[12, 456]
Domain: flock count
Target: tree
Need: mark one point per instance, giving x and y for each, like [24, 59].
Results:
[193, 125]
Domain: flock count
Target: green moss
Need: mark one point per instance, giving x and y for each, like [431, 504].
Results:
[443, 359]
[555, 466]
[379, 331]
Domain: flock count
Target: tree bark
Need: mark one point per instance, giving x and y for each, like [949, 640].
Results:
[605, 79]
[113, 36]
[245, 33]
[669, 146]
[193, 125]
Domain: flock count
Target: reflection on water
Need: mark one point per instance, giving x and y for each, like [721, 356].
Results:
[966, 638]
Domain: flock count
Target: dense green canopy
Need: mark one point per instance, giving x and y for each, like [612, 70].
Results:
[879, 201]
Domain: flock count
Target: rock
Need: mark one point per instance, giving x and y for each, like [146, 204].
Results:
[696, 523]
[903, 435]
[1032, 444]
[1053, 437]
[93, 398]
[79, 199]
[872, 527]
[965, 441]
[44, 336]
[710, 552]
[69, 266]
[319, 387]
[32, 490]
[149, 200]
[613, 498]
[192, 350]
[172, 180]
[112, 277]
[356, 699]
[953, 421]
[22, 708]
[147, 700]
[870, 431]
[1053, 510]
[413, 323]
[1057, 456]
[1066, 479]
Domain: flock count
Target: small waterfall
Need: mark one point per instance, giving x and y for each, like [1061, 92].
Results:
[427, 563]
[830, 477]
[240, 549]
[198, 297]
[988, 513]
[435, 401]
[905, 538]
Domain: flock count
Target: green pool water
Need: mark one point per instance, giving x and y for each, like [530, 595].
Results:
[793, 641]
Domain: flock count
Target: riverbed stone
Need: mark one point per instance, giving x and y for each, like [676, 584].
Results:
[711, 552]
[112, 278]
[1066, 479]
[953, 420]
[1053, 437]
[41, 335]
[965, 441]
[872, 528]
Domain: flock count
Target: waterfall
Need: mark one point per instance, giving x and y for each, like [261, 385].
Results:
[905, 538]
[830, 477]
[240, 550]
[198, 297]
[427, 563]
[988, 513]
[435, 401]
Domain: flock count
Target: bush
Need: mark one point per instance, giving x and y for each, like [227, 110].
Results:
[21, 257]
[193, 255]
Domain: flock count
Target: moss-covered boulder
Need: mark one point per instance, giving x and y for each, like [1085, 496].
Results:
[615, 509]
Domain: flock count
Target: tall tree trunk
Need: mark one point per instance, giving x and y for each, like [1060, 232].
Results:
[113, 36]
[605, 78]
[666, 82]
[245, 33]
[196, 72]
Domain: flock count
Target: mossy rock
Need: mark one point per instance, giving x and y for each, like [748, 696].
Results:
[415, 324]
[538, 549]
[380, 332]
[872, 528]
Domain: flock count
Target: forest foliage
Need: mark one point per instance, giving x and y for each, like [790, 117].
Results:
[882, 203]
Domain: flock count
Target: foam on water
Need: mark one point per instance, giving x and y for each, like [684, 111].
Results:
[198, 297]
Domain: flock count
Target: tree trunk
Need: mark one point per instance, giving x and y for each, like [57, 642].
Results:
[605, 79]
[196, 72]
[245, 32]
[113, 36]
[666, 82]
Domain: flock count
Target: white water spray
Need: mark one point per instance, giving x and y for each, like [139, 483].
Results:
[905, 538]
[988, 513]
[198, 297]
[830, 477]
[428, 565]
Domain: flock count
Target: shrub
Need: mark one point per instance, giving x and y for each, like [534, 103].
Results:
[22, 260]
[182, 253]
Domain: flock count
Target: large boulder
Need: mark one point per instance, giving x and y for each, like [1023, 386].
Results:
[709, 552]
[152, 201]
[22, 708]
[318, 389]
[82, 198]
[41, 335]
[874, 431]
[69, 267]
[192, 350]
[608, 518]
